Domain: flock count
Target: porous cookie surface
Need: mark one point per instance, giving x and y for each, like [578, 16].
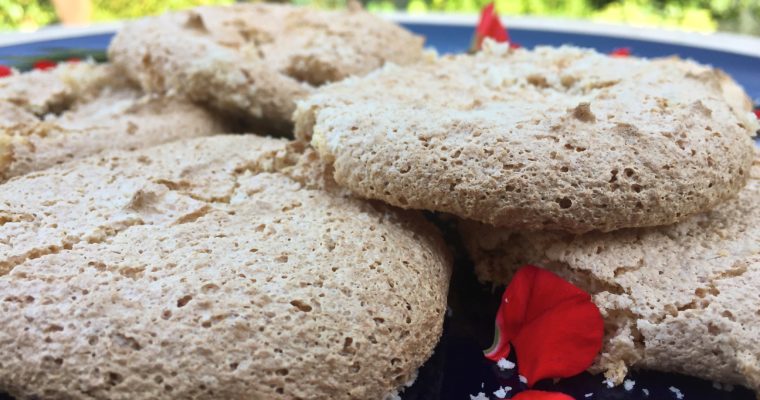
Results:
[210, 268]
[257, 58]
[555, 138]
[681, 298]
[76, 110]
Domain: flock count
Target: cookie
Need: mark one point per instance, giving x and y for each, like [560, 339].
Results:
[680, 298]
[216, 268]
[554, 138]
[257, 58]
[79, 109]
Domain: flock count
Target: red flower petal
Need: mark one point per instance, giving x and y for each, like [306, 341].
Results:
[539, 395]
[554, 326]
[621, 52]
[489, 26]
[5, 71]
[44, 64]
[757, 113]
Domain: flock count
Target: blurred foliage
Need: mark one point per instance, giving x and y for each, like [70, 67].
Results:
[109, 10]
[25, 14]
[32, 14]
[695, 15]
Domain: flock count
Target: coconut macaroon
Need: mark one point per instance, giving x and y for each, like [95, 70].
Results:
[79, 109]
[211, 268]
[554, 138]
[257, 58]
[680, 298]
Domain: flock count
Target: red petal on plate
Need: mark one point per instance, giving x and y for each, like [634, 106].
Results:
[757, 111]
[621, 52]
[539, 395]
[490, 26]
[5, 71]
[44, 64]
[554, 326]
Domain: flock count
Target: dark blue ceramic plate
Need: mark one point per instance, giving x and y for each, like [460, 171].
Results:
[458, 368]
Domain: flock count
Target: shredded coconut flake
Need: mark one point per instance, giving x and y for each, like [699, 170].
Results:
[503, 364]
[523, 379]
[629, 384]
[677, 392]
[479, 396]
[608, 382]
[502, 392]
[588, 395]
[646, 392]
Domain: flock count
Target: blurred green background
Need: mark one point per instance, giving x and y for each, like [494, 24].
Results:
[741, 16]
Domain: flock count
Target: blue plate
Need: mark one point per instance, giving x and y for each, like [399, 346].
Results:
[458, 368]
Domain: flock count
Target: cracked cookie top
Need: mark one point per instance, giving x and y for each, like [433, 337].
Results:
[219, 267]
[257, 58]
[553, 138]
[680, 298]
[79, 109]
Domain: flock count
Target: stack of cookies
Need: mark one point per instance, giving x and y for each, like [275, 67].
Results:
[146, 252]
[634, 179]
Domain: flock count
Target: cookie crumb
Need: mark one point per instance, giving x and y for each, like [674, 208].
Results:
[582, 112]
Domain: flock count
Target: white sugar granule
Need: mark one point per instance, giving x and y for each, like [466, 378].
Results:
[502, 392]
[503, 364]
[479, 396]
[677, 392]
